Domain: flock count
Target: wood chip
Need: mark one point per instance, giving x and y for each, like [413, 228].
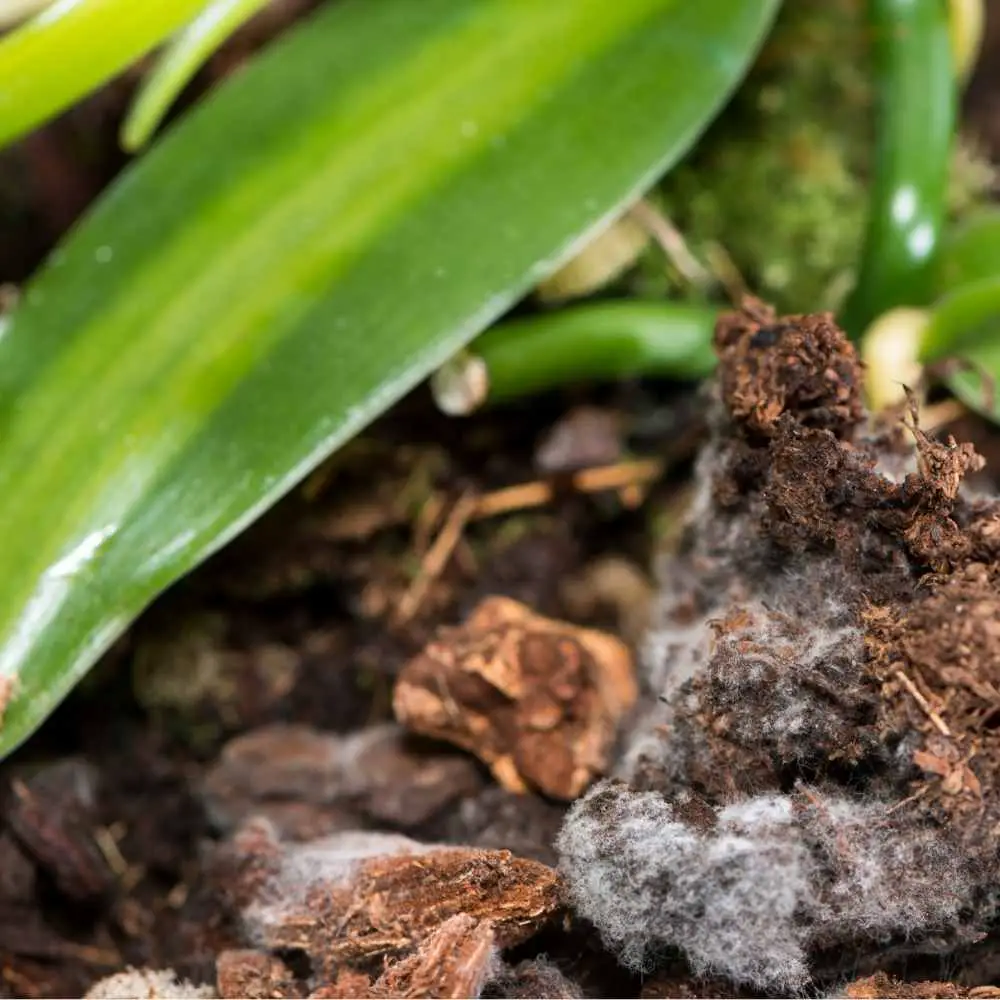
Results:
[358, 896]
[454, 962]
[539, 701]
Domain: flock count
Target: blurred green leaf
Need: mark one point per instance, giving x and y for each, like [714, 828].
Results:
[315, 238]
[970, 252]
[965, 325]
[71, 48]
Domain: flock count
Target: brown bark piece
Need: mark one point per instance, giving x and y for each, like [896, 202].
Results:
[244, 866]
[254, 976]
[350, 984]
[881, 986]
[454, 962]
[391, 903]
[584, 437]
[53, 814]
[17, 873]
[24, 927]
[537, 700]
[349, 898]
[310, 783]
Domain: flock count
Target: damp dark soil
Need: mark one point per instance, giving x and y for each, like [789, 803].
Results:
[229, 795]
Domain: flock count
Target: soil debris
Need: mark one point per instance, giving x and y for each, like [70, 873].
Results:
[535, 978]
[880, 985]
[454, 962]
[615, 585]
[813, 765]
[8, 685]
[244, 974]
[583, 437]
[537, 700]
[802, 366]
[523, 824]
[309, 783]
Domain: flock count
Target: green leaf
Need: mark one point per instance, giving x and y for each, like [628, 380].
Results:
[183, 58]
[970, 252]
[73, 47]
[314, 239]
[915, 125]
[965, 325]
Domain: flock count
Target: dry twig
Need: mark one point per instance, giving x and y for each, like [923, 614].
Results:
[925, 707]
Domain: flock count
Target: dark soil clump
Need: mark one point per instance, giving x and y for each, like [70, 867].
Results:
[820, 769]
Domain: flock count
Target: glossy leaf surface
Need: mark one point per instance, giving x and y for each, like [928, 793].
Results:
[318, 235]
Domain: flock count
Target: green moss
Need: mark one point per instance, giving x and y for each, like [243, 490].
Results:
[780, 180]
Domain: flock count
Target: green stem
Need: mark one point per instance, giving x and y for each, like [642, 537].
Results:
[915, 123]
[179, 63]
[603, 341]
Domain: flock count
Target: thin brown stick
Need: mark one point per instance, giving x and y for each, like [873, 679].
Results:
[91, 954]
[671, 242]
[108, 846]
[362, 521]
[428, 518]
[918, 794]
[437, 557]
[539, 492]
[939, 723]
[726, 272]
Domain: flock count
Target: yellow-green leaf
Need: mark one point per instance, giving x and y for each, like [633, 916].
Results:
[72, 47]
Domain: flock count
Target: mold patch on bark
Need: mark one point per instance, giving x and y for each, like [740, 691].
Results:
[813, 761]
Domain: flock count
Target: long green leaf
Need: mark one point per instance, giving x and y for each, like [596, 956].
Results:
[315, 238]
[73, 47]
